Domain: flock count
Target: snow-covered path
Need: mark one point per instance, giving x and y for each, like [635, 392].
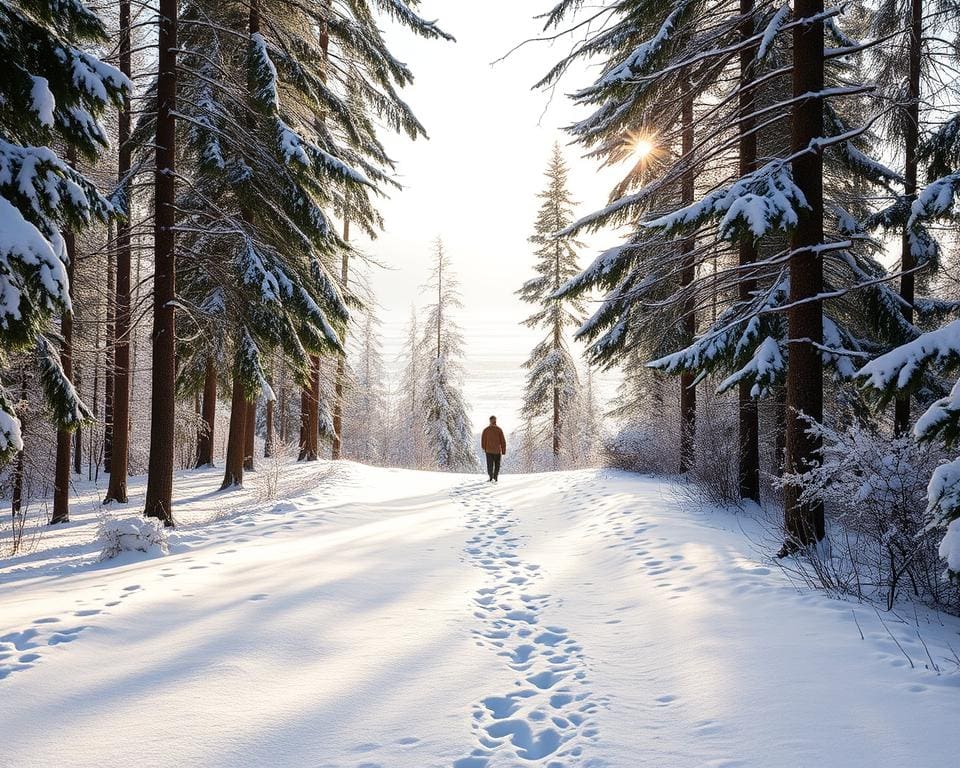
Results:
[393, 619]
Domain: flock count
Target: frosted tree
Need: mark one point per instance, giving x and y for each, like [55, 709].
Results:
[449, 432]
[775, 327]
[52, 94]
[898, 373]
[365, 425]
[913, 70]
[278, 132]
[645, 112]
[552, 384]
[411, 427]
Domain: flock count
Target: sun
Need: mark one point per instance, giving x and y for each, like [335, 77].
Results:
[641, 148]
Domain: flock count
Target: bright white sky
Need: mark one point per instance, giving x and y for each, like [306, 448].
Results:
[475, 184]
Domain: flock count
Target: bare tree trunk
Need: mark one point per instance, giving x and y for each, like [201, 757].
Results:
[120, 391]
[163, 393]
[208, 415]
[233, 463]
[804, 522]
[688, 392]
[61, 481]
[749, 417]
[908, 262]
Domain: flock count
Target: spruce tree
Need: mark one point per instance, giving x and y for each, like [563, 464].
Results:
[52, 94]
[552, 385]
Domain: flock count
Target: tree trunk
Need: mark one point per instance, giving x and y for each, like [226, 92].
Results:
[688, 392]
[16, 499]
[109, 342]
[304, 421]
[208, 416]
[61, 481]
[78, 432]
[282, 405]
[313, 426]
[901, 420]
[250, 418]
[120, 420]
[749, 424]
[233, 464]
[96, 410]
[268, 439]
[804, 522]
[310, 398]
[310, 409]
[163, 392]
[342, 357]
[249, 435]
[557, 340]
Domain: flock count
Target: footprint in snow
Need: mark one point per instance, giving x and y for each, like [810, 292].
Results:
[550, 716]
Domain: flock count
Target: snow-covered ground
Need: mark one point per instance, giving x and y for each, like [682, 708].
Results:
[380, 618]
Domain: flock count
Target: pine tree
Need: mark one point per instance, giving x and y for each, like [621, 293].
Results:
[267, 177]
[755, 207]
[804, 521]
[449, 432]
[913, 125]
[159, 496]
[118, 421]
[646, 95]
[552, 381]
[52, 93]
[927, 137]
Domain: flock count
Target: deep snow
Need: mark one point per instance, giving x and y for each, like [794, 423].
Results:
[397, 619]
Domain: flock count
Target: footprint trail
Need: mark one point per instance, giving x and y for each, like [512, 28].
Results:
[548, 719]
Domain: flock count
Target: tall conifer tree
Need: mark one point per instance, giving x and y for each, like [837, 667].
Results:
[552, 381]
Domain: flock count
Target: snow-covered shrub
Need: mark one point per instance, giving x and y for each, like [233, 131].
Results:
[874, 486]
[270, 470]
[187, 428]
[131, 534]
[645, 448]
[714, 476]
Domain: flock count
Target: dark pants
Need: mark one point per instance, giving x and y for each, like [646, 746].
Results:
[493, 465]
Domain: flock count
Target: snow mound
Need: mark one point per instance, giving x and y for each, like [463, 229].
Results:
[131, 534]
[950, 546]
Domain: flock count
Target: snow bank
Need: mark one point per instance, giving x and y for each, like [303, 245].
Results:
[131, 534]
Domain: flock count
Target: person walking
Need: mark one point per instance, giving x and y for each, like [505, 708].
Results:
[494, 444]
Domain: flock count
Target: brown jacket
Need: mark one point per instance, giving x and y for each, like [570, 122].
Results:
[493, 441]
